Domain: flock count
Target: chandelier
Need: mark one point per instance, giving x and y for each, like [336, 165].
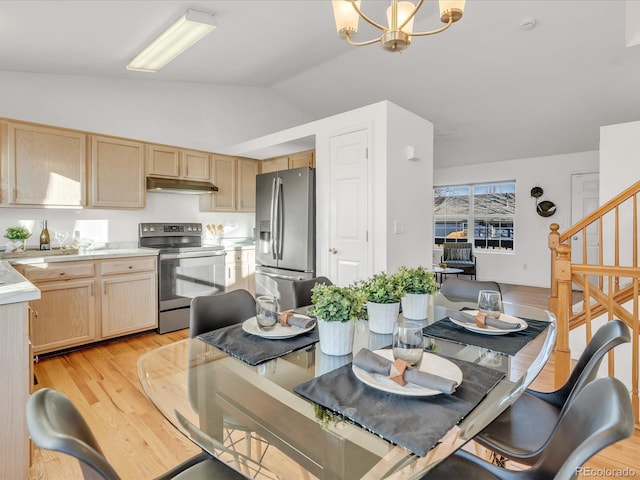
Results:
[400, 15]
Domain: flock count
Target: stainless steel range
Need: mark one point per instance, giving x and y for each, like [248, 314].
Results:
[186, 269]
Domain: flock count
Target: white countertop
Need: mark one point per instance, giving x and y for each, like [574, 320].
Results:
[87, 255]
[14, 288]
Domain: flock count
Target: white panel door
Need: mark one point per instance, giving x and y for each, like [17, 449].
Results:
[584, 200]
[348, 209]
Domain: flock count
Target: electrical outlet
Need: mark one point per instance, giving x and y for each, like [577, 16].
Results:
[398, 227]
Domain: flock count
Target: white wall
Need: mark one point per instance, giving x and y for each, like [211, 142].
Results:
[529, 263]
[194, 116]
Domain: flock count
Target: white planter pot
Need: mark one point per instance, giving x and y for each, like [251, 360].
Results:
[382, 316]
[415, 306]
[336, 338]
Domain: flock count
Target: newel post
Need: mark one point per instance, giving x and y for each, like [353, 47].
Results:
[553, 242]
[562, 275]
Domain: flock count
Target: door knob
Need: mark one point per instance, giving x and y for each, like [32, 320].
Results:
[575, 237]
[333, 250]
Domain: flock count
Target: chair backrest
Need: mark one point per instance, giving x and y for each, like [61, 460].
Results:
[462, 290]
[457, 251]
[302, 290]
[220, 310]
[608, 336]
[601, 414]
[54, 423]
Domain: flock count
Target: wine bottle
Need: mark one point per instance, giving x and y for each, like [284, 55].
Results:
[45, 241]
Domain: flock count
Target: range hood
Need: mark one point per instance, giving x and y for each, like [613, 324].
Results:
[173, 185]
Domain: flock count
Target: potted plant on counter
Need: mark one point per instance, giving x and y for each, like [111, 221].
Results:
[17, 239]
[383, 292]
[337, 309]
[417, 285]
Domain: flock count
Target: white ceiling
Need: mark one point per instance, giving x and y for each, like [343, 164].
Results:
[493, 90]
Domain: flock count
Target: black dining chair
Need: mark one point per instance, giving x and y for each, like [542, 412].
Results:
[211, 312]
[302, 290]
[463, 290]
[522, 431]
[54, 423]
[601, 415]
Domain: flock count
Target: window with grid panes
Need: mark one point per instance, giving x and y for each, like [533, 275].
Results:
[482, 214]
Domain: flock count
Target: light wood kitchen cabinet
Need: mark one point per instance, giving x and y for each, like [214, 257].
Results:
[117, 173]
[87, 301]
[224, 177]
[247, 171]
[240, 270]
[57, 155]
[129, 292]
[64, 316]
[274, 164]
[172, 162]
[293, 160]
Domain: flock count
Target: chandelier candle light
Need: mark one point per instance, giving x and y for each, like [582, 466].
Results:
[400, 15]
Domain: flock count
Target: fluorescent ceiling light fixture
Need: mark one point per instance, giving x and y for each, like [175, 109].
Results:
[188, 29]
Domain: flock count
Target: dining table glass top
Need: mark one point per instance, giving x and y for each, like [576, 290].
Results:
[250, 417]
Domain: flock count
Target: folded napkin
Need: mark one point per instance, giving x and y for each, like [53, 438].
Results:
[492, 322]
[373, 363]
[296, 320]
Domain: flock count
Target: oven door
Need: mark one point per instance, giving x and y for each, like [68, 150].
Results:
[183, 276]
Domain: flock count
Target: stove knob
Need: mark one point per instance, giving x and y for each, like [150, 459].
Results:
[189, 228]
[199, 228]
[152, 229]
[145, 229]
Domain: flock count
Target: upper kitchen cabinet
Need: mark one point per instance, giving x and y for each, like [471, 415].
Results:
[294, 160]
[236, 181]
[224, 176]
[117, 173]
[44, 166]
[172, 162]
[247, 171]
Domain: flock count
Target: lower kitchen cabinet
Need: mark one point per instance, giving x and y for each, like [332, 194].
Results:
[86, 301]
[240, 270]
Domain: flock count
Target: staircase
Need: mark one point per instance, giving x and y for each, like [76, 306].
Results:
[608, 277]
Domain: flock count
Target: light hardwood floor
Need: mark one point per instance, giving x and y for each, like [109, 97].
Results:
[141, 444]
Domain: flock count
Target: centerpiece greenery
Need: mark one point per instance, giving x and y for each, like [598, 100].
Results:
[417, 280]
[382, 288]
[17, 233]
[337, 304]
[336, 309]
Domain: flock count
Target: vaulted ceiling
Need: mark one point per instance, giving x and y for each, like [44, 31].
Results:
[493, 90]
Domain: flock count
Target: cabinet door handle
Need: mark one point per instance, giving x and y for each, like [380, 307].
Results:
[130, 267]
[34, 313]
[61, 274]
[91, 290]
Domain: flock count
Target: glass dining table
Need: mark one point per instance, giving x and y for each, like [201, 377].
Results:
[249, 416]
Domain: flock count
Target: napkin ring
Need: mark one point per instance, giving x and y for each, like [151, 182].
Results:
[396, 371]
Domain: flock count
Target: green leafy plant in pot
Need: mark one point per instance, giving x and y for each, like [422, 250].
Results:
[383, 292]
[417, 285]
[337, 309]
[17, 237]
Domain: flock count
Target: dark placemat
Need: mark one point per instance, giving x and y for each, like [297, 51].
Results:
[416, 423]
[252, 349]
[509, 344]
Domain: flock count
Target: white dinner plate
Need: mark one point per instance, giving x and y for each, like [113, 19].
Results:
[491, 330]
[430, 363]
[251, 326]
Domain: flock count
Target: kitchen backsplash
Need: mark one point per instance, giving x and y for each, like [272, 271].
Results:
[117, 228]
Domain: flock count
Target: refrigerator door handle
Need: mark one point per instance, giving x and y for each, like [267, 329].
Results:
[272, 219]
[279, 218]
[283, 277]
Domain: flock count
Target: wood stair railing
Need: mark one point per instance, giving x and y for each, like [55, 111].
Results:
[608, 276]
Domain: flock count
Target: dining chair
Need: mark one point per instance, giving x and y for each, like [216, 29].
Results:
[210, 312]
[601, 415]
[54, 423]
[522, 431]
[302, 290]
[463, 290]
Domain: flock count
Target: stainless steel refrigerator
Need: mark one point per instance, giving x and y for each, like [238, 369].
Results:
[285, 232]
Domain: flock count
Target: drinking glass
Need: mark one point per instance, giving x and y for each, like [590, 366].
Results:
[60, 236]
[490, 303]
[408, 344]
[266, 312]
